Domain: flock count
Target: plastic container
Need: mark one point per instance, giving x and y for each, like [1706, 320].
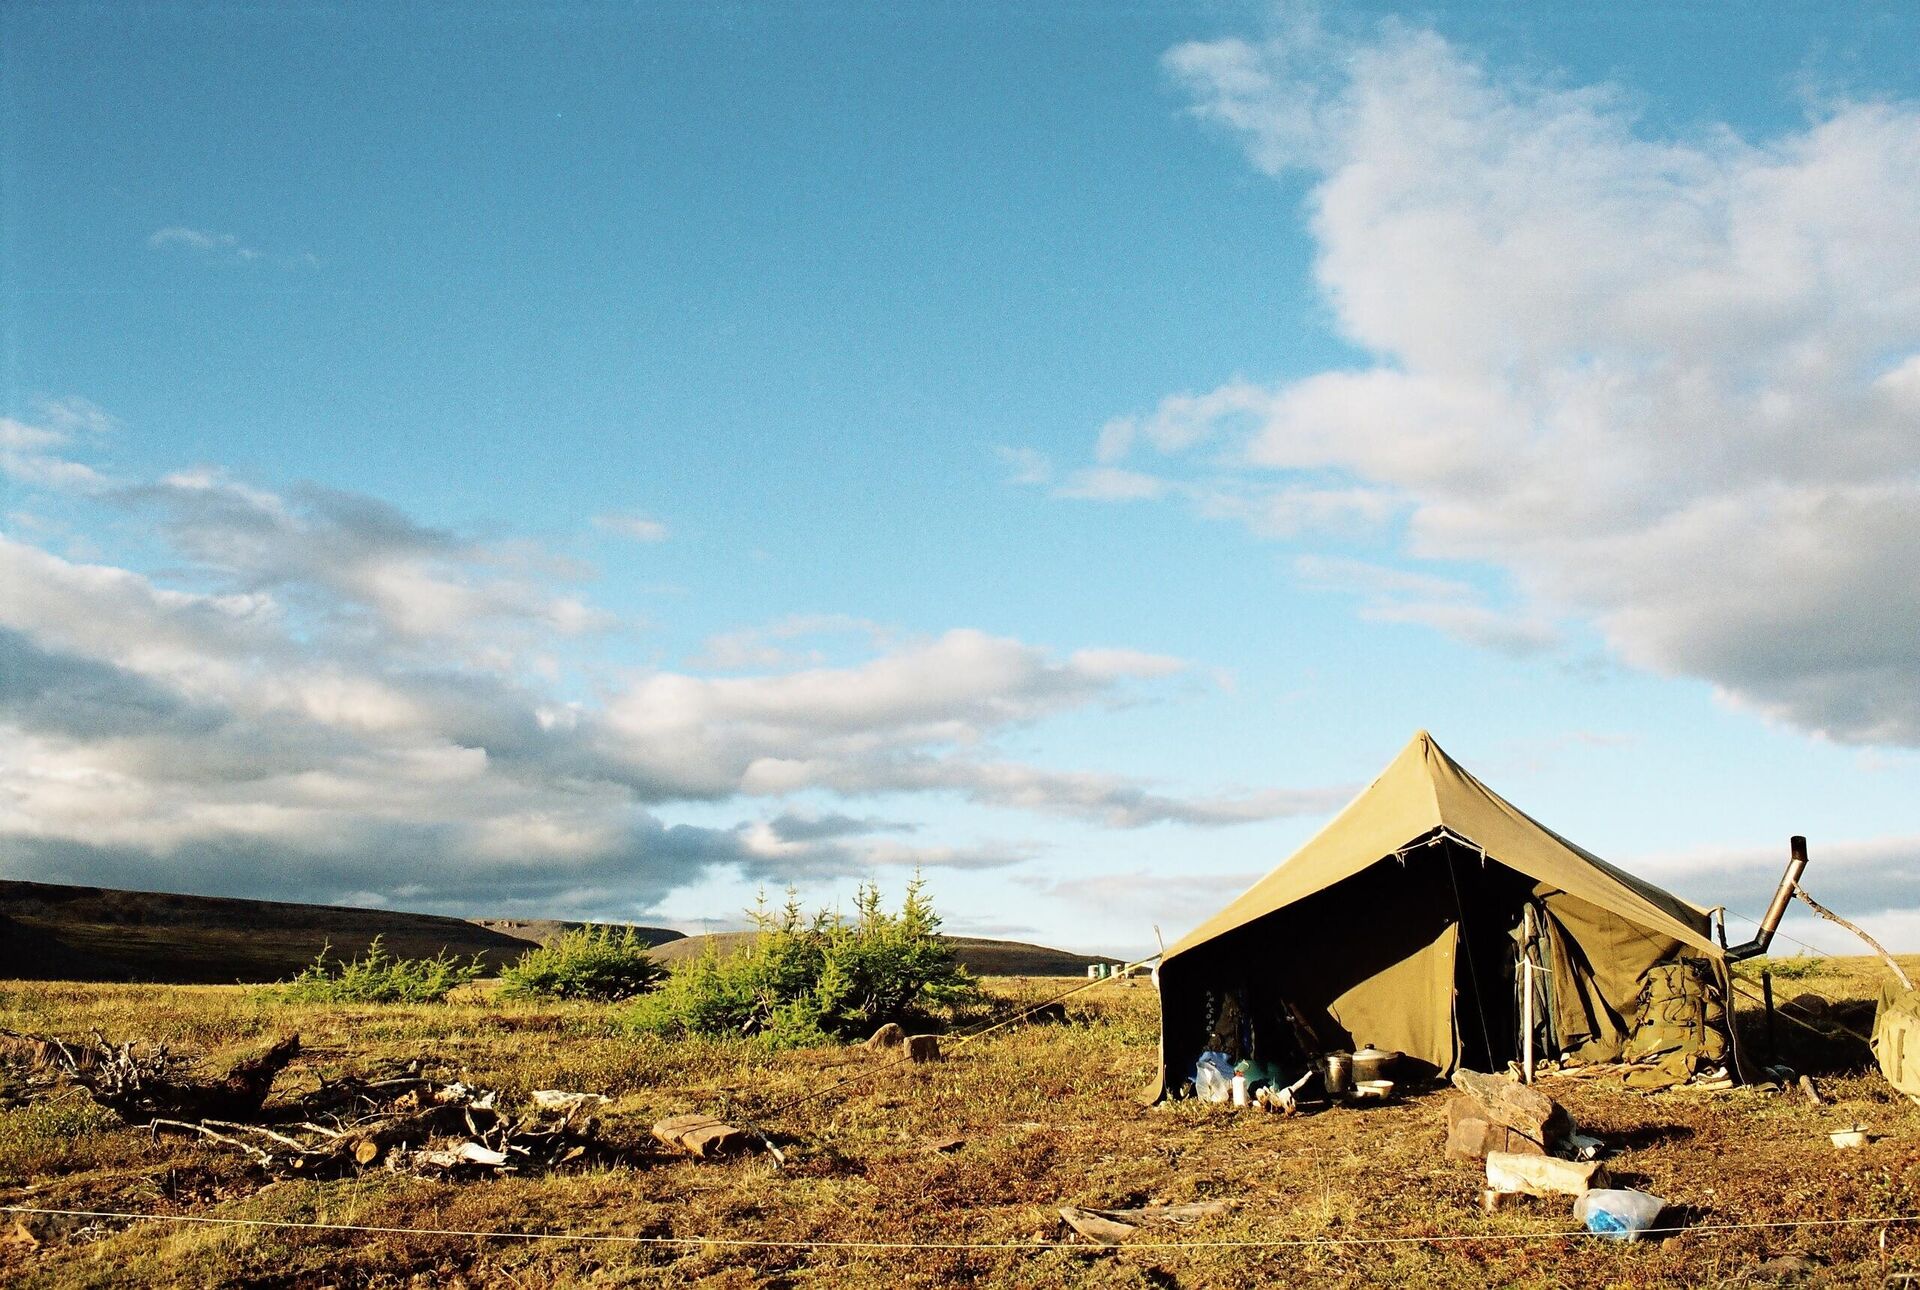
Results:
[1213, 1077]
[1617, 1214]
[1238, 1089]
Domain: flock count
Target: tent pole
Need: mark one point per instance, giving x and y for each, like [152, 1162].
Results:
[1526, 1000]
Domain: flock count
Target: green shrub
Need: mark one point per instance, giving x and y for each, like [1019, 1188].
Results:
[379, 977]
[584, 963]
[1791, 968]
[811, 980]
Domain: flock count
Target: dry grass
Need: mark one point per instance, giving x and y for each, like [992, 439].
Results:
[1048, 1118]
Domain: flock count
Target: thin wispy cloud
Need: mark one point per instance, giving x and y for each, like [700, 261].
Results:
[227, 247]
[640, 528]
[224, 245]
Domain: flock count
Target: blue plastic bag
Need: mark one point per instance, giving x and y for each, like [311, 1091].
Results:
[1618, 1214]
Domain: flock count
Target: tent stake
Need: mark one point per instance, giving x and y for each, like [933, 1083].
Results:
[1526, 999]
[1773, 1037]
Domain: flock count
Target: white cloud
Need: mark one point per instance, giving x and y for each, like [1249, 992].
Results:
[225, 245]
[1447, 605]
[38, 455]
[774, 645]
[1669, 385]
[638, 527]
[1029, 466]
[1112, 484]
[324, 698]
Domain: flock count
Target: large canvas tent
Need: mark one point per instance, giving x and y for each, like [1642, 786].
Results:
[1400, 924]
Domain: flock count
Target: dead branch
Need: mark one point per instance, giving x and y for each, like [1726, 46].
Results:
[1830, 916]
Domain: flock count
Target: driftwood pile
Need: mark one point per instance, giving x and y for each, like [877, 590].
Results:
[409, 1123]
[413, 1124]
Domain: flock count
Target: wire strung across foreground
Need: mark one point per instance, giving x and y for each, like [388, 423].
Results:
[768, 1243]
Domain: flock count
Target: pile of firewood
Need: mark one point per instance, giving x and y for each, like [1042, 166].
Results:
[408, 1123]
[413, 1124]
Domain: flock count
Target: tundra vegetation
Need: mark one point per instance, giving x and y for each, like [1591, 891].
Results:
[983, 1147]
[805, 981]
[603, 964]
[379, 977]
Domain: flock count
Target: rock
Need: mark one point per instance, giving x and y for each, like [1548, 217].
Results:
[1519, 1107]
[888, 1036]
[1541, 1175]
[1470, 1135]
[1473, 1139]
[703, 1136]
[923, 1048]
[1807, 1008]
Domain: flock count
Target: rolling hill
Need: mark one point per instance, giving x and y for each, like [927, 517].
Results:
[982, 957]
[50, 932]
[59, 933]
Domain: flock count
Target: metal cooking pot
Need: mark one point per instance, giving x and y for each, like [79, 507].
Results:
[1373, 1063]
[1336, 1070]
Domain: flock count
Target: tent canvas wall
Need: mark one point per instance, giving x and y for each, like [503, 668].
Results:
[1399, 925]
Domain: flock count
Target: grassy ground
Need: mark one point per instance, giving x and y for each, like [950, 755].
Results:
[1046, 1117]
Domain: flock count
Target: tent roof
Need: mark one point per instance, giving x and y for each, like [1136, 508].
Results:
[1423, 790]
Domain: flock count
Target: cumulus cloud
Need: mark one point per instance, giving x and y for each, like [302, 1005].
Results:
[317, 696]
[1668, 386]
[1874, 876]
[347, 554]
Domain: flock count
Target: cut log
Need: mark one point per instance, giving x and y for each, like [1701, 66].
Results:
[923, 1048]
[1111, 1226]
[1541, 1175]
[1519, 1107]
[888, 1036]
[1094, 1226]
[703, 1137]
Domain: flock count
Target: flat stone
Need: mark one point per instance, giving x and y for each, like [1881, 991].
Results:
[888, 1036]
[703, 1136]
[1541, 1175]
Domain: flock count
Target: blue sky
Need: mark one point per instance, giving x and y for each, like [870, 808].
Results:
[603, 459]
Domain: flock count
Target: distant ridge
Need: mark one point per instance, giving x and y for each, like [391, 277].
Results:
[979, 956]
[50, 932]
